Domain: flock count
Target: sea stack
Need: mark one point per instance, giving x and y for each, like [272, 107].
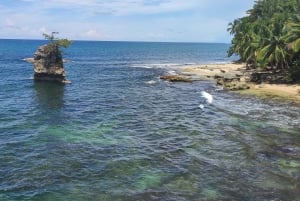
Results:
[48, 64]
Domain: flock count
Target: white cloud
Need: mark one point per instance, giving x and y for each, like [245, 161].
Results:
[147, 20]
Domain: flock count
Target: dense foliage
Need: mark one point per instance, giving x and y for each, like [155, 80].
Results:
[269, 36]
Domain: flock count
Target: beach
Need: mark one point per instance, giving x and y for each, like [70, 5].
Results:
[211, 70]
[289, 92]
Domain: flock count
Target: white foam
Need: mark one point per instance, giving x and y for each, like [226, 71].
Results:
[208, 97]
[151, 82]
[172, 72]
[201, 106]
[158, 65]
[141, 66]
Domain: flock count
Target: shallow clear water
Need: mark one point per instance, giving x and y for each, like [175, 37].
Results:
[120, 133]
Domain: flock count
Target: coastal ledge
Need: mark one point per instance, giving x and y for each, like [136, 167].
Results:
[235, 77]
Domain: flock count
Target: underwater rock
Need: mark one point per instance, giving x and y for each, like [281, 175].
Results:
[48, 64]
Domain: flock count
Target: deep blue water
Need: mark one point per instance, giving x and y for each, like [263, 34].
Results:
[118, 132]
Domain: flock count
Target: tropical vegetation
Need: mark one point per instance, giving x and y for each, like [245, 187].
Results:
[56, 43]
[269, 37]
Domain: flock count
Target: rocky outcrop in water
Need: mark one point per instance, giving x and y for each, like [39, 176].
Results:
[176, 78]
[48, 64]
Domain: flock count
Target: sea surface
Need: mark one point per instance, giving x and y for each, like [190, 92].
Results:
[119, 133]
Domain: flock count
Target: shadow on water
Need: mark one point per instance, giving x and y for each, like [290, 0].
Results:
[49, 95]
[49, 102]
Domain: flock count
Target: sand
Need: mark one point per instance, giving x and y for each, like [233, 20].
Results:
[276, 91]
[280, 91]
[211, 70]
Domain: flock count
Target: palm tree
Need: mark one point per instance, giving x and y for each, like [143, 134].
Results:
[292, 36]
[274, 53]
[245, 41]
[263, 37]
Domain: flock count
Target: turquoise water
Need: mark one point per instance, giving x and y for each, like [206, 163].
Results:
[120, 133]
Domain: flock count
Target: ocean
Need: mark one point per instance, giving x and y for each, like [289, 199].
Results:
[119, 133]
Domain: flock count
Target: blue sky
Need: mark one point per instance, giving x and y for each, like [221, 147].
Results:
[122, 20]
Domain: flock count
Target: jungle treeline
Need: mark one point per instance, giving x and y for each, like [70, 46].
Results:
[268, 37]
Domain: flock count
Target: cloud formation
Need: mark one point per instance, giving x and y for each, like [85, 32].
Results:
[123, 7]
[159, 20]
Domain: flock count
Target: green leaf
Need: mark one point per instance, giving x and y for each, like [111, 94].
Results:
[296, 45]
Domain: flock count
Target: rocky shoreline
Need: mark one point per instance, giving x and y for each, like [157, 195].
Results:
[236, 77]
[231, 76]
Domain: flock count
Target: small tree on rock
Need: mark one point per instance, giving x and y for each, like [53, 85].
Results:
[57, 42]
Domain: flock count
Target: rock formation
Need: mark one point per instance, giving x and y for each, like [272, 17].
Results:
[176, 78]
[48, 64]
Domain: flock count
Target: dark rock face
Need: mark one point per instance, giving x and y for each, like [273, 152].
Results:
[268, 77]
[48, 64]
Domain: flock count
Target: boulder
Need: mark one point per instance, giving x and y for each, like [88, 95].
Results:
[48, 64]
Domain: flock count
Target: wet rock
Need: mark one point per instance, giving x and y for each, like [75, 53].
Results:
[48, 64]
[176, 78]
[233, 84]
[218, 77]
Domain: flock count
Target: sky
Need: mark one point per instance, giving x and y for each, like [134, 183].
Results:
[122, 20]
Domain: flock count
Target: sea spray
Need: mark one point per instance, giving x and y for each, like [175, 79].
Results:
[208, 99]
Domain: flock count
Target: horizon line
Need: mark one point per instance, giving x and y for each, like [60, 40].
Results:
[133, 41]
